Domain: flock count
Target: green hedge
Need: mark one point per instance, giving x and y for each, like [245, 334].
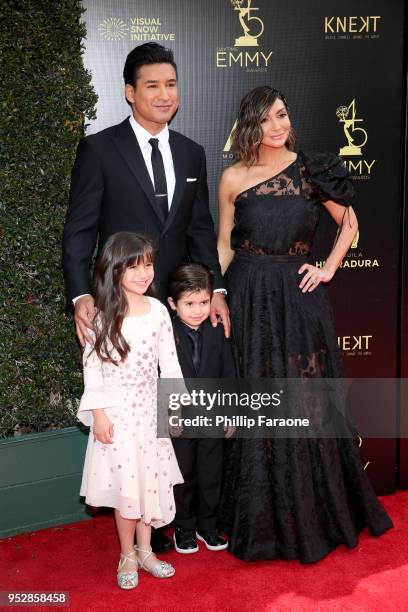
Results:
[46, 96]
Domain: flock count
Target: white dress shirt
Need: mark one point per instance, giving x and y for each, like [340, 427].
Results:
[143, 137]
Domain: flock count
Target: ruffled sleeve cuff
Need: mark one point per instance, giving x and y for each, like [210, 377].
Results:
[94, 398]
[329, 177]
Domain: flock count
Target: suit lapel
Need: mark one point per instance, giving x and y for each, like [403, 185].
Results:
[126, 142]
[179, 154]
[184, 347]
[207, 332]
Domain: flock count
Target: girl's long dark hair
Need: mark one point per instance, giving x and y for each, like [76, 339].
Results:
[121, 251]
[248, 134]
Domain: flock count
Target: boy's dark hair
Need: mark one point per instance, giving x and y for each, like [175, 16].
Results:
[190, 278]
[149, 53]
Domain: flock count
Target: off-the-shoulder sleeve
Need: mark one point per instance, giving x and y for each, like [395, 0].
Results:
[96, 394]
[329, 177]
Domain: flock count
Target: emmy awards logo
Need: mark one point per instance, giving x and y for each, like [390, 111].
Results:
[249, 39]
[356, 238]
[347, 116]
[227, 146]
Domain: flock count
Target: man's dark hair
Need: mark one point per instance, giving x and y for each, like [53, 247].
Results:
[149, 53]
[190, 278]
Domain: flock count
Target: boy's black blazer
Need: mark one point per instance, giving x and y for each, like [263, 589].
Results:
[111, 191]
[216, 356]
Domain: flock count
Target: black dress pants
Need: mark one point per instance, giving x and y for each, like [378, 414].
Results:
[197, 499]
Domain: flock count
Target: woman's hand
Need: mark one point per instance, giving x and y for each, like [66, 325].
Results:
[102, 427]
[313, 277]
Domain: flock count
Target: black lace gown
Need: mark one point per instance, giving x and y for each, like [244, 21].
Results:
[289, 498]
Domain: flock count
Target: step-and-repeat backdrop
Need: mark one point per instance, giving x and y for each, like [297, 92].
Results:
[340, 66]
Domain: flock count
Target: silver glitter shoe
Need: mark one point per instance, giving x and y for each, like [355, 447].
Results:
[127, 580]
[161, 570]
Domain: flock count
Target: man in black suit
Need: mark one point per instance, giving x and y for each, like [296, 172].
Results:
[140, 176]
[113, 188]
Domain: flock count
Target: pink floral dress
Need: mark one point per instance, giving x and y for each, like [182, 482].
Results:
[136, 473]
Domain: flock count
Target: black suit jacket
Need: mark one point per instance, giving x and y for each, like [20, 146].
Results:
[111, 191]
[216, 361]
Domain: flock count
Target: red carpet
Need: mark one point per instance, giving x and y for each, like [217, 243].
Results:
[82, 558]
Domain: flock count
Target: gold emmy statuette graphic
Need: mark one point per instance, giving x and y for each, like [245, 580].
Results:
[360, 444]
[227, 146]
[350, 129]
[248, 39]
[356, 238]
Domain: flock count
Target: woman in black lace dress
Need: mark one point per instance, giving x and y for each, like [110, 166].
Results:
[286, 498]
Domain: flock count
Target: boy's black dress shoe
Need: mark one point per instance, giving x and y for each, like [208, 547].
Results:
[160, 543]
[184, 541]
[212, 539]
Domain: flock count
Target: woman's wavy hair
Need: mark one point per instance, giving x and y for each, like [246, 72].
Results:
[121, 251]
[247, 134]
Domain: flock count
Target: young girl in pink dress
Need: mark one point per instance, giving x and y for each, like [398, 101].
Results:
[126, 466]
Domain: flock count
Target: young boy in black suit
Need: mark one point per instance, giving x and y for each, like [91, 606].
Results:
[203, 352]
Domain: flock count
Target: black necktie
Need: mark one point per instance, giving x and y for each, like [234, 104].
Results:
[196, 341]
[160, 184]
